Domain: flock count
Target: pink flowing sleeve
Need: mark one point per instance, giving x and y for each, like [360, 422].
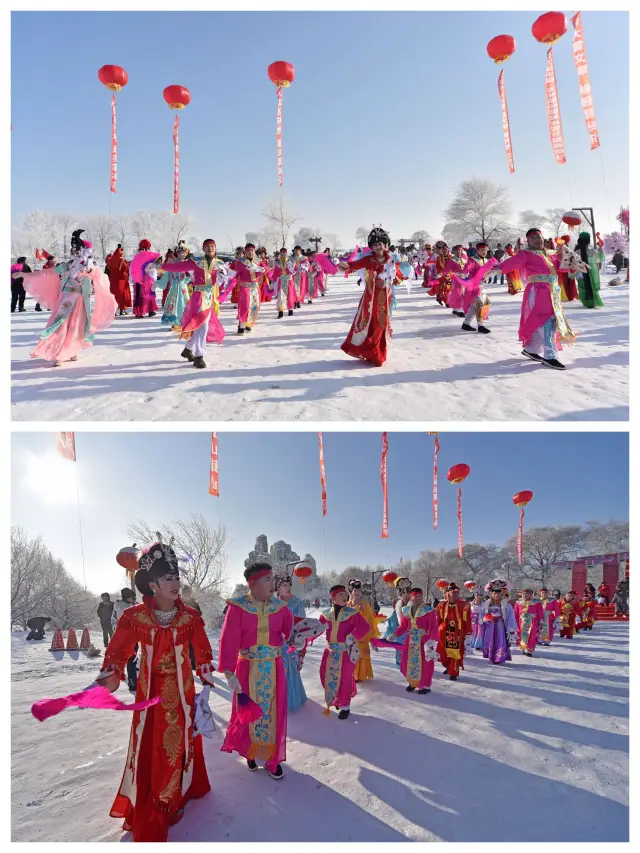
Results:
[182, 266]
[515, 262]
[44, 286]
[359, 626]
[104, 304]
[230, 639]
[433, 625]
[403, 627]
[287, 623]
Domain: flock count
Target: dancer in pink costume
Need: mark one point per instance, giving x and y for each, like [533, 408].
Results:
[144, 292]
[419, 623]
[248, 272]
[529, 615]
[345, 626]
[551, 621]
[255, 627]
[321, 265]
[475, 302]
[283, 284]
[300, 280]
[266, 293]
[212, 284]
[73, 323]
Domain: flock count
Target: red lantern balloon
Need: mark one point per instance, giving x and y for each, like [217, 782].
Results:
[128, 558]
[177, 97]
[458, 473]
[550, 27]
[572, 218]
[303, 571]
[470, 585]
[390, 578]
[282, 74]
[442, 583]
[113, 77]
[522, 498]
[501, 48]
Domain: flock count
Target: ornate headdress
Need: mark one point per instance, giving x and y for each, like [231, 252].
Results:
[378, 235]
[159, 553]
[402, 584]
[354, 583]
[280, 579]
[496, 585]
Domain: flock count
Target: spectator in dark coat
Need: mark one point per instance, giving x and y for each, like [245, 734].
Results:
[36, 626]
[105, 612]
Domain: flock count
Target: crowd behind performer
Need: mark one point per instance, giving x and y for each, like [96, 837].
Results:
[529, 615]
[345, 626]
[419, 626]
[454, 624]
[621, 599]
[499, 624]
[164, 767]
[292, 660]
[551, 621]
[364, 670]
[256, 626]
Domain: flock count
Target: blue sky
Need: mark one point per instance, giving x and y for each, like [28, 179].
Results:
[269, 483]
[388, 113]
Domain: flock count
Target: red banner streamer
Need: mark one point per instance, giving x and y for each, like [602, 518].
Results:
[279, 135]
[176, 166]
[586, 98]
[114, 146]
[383, 477]
[553, 112]
[323, 481]
[214, 485]
[436, 448]
[506, 127]
[520, 526]
[66, 445]
[460, 522]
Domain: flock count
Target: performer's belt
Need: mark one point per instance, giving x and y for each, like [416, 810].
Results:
[260, 653]
[337, 647]
[72, 288]
[549, 279]
[203, 288]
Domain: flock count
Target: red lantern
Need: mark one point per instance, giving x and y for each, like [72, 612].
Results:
[114, 78]
[550, 27]
[470, 585]
[303, 571]
[390, 578]
[177, 98]
[282, 74]
[521, 499]
[572, 218]
[458, 474]
[128, 558]
[442, 583]
[501, 48]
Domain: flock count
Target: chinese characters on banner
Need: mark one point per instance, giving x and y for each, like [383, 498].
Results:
[176, 166]
[279, 135]
[114, 146]
[586, 98]
[436, 449]
[460, 540]
[66, 445]
[519, 542]
[323, 481]
[553, 112]
[214, 488]
[506, 129]
[383, 477]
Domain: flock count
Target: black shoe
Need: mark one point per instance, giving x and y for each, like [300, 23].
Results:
[198, 361]
[424, 690]
[532, 355]
[280, 315]
[409, 688]
[247, 328]
[298, 305]
[467, 328]
[152, 313]
[453, 678]
[309, 302]
[186, 353]
[240, 330]
[278, 774]
[37, 308]
[459, 313]
[290, 312]
[322, 294]
[343, 715]
[252, 765]
[554, 363]
[483, 330]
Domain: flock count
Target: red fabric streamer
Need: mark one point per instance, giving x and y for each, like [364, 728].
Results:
[66, 445]
[114, 146]
[520, 535]
[436, 449]
[460, 522]
[586, 98]
[176, 166]
[553, 112]
[323, 481]
[214, 485]
[506, 127]
[95, 697]
[279, 134]
[383, 477]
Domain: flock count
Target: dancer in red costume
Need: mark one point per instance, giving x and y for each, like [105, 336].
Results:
[371, 329]
[441, 283]
[119, 280]
[454, 617]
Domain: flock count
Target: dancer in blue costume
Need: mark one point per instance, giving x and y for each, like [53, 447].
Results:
[402, 585]
[178, 294]
[292, 661]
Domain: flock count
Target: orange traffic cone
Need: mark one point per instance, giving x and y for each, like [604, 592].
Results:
[57, 644]
[85, 642]
[72, 640]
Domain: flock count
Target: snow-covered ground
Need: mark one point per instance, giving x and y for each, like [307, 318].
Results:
[536, 750]
[293, 368]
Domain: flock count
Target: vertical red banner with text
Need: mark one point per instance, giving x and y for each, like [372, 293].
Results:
[176, 165]
[214, 486]
[114, 146]
[506, 127]
[436, 450]
[323, 481]
[553, 112]
[383, 477]
[584, 81]
[279, 135]
[66, 445]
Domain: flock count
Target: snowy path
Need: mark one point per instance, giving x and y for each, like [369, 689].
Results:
[293, 368]
[533, 751]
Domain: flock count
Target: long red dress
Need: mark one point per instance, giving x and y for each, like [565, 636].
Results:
[119, 279]
[165, 765]
[454, 624]
[370, 330]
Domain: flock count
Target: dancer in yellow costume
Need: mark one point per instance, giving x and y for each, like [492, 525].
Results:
[364, 670]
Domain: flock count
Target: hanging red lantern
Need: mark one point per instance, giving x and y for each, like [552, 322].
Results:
[282, 74]
[550, 27]
[501, 48]
[303, 571]
[521, 499]
[128, 558]
[470, 585]
[457, 474]
[572, 218]
[177, 98]
[442, 583]
[114, 78]
[390, 578]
